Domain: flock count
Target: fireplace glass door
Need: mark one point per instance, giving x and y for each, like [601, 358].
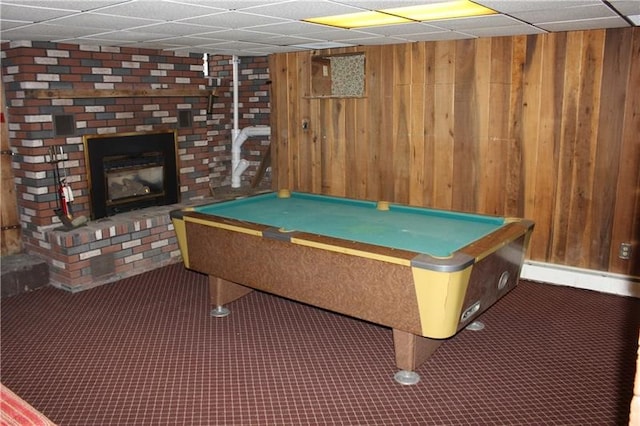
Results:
[130, 179]
[131, 171]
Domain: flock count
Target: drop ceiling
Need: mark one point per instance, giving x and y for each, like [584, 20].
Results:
[256, 28]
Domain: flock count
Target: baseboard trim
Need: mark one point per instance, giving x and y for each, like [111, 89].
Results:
[605, 282]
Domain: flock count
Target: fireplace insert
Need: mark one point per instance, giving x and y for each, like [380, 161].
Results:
[131, 171]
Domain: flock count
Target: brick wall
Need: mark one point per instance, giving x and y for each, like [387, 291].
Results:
[203, 148]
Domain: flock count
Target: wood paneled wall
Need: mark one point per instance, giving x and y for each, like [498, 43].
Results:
[545, 127]
[10, 234]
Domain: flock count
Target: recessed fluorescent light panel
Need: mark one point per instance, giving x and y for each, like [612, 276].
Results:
[359, 20]
[400, 15]
[445, 10]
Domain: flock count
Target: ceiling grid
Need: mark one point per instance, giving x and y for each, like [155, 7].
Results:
[261, 27]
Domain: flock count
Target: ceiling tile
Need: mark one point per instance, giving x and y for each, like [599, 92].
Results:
[375, 41]
[590, 24]
[626, 7]
[234, 19]
[335, 34]
[222, 4]
[53, 32]
[398, 30]
[174, 28]
[292, 28]
[287, 40]
[515, 6]
[566, 14]
[488, 21]
[235, 35]
[513, 30]
[75, 5]
[159, 10]
[385, 4]
[301, 9]
[442, 35]
[98, 20]
[30, 14]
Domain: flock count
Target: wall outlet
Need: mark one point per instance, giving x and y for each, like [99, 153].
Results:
[625, 251]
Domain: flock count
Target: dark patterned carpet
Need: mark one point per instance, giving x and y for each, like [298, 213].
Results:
[144, 351]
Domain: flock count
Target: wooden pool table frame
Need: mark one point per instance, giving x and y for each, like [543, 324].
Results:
[425, 300]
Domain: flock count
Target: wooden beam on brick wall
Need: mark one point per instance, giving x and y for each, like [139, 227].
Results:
[108, 93]
[262, 168]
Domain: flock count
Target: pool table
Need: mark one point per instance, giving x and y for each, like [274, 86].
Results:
[425, 273]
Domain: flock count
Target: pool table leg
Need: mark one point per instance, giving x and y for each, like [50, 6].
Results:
[411, 352]
[222, 292]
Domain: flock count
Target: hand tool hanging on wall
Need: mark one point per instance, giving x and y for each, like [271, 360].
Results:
[61, 210]
[67, 193]
[53, 160]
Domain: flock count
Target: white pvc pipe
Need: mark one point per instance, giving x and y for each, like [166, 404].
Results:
[235, 157]
[239, 166]
[238, 137]
[237, 173]
[234, 63]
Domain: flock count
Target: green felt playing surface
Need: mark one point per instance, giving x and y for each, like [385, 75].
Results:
[422, 230]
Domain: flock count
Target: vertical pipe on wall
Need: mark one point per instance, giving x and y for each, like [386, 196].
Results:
[235, 159]
[238, 137]
[235, 131]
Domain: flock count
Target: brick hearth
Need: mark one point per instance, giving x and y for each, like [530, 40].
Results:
[108, 249]
[112, 248]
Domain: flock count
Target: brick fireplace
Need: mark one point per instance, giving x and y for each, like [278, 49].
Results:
[61, 95]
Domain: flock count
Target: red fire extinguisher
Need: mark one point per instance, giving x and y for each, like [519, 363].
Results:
[64, 203]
